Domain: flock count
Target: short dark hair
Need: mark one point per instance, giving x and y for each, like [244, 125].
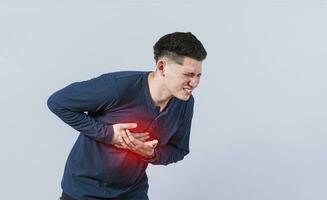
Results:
[177, 45]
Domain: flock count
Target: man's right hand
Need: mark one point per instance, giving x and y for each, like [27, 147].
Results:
[145, 149]
[135, 142]
[120, 131]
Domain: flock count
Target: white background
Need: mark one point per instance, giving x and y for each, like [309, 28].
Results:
[259, 128]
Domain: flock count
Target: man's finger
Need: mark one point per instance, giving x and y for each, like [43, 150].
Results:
[152, 143]
[131, 138]
[128, 139]
[139, 135]
[155, 143]
[119, 146]
[121, 141]
[143, 139]
[136, 142]
[128, 125]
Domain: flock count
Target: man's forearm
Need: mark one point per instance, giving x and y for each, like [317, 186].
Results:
[82, 122]
[164, 155]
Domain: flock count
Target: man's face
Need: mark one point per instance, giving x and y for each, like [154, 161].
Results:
[181, 80]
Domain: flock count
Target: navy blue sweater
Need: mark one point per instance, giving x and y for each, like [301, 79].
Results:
[94, 167]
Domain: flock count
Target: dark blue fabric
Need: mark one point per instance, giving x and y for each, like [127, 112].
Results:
[95, 168]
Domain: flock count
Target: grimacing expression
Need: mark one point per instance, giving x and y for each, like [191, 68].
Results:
[181, 80]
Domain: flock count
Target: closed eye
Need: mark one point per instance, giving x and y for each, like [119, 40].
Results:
[192, 75]
[189, 75]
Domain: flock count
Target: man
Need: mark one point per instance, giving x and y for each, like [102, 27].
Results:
[129, 119]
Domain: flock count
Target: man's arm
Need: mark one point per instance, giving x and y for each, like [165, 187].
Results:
[178, 146]
[94, 95]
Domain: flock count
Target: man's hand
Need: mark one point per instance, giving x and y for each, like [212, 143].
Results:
[120, 132]
[136, 144]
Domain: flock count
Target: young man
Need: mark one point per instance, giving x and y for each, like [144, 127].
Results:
[129, 119]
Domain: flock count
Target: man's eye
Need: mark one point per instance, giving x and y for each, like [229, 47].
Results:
[189, 75]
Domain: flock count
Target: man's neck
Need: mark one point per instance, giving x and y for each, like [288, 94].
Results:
[158, 92]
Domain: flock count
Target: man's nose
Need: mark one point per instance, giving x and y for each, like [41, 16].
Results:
[194, 82]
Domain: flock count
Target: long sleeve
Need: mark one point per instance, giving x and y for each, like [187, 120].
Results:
[178, 146]
[94, 95]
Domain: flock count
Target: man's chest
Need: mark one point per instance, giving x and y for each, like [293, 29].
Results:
[161, 127]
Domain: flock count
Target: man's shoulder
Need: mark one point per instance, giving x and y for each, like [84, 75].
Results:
[126, 75]
[125, 79]
[128, 82]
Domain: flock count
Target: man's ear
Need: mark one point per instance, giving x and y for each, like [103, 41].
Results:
[161, 66]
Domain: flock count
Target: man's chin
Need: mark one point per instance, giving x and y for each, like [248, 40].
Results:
[183, 97]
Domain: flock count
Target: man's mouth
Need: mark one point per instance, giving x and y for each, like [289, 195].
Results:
[189, 91]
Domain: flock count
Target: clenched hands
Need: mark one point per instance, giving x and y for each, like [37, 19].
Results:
[135, 142]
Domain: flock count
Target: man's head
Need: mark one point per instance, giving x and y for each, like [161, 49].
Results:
[179, 59]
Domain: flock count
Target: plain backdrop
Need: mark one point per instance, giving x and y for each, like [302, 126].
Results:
[259, 127]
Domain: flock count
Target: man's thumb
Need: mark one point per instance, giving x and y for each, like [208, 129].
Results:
[153, 143]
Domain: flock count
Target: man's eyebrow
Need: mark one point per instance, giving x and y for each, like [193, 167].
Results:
[193, 73]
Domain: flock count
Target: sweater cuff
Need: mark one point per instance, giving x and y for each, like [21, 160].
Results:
[109, 134]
